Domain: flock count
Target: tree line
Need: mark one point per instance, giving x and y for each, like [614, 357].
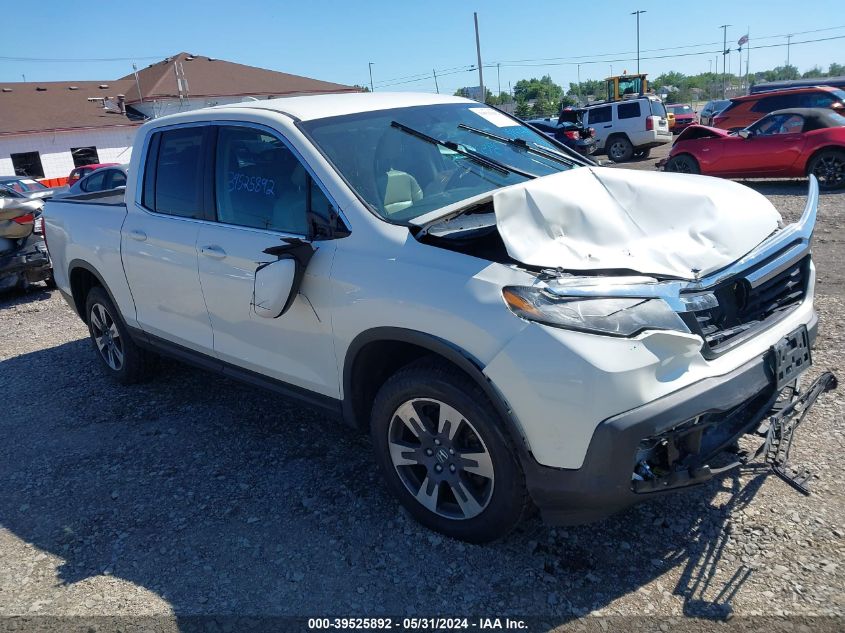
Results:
[543, 97]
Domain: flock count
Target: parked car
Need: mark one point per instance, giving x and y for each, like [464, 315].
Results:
[743, 111]
[569, 130]
[508, 323]
[23, 253]
[711, 109]
[785, 144]
[684, 116]
[630, 128]
[79, 172]
[103, 179]
[27, 187]
[833, 82]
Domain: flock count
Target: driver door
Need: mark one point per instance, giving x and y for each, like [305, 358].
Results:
[263, 193]
[775, 143]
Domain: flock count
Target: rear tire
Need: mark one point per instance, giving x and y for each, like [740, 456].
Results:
[619, 149]
[828, 166]
[119, 356]
[683, 164]
[458, 473]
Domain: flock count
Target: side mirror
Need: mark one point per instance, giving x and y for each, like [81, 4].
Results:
[746, 134]
[277, 283]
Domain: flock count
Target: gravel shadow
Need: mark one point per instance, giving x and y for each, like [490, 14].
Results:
[226, 500]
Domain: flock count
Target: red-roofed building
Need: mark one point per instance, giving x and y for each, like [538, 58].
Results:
[49, 128]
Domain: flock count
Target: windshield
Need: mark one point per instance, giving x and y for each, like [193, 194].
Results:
[680, 109]
[403, 176]
[25, 185]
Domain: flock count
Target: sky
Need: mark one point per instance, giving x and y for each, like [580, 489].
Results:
[406, 40]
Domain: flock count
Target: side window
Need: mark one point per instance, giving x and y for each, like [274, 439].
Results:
[770, 104]
[600, 115]
[815, 100]
[779, 124]
[94, 182]
[259, 182]
[177, 181]
[116, 179]
[629, 110]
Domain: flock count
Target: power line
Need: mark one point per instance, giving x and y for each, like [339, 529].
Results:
[78, 60]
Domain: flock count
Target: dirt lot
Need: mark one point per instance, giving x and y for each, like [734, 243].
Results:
[195, 495]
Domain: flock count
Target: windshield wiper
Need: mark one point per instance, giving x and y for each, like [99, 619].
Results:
[481, 159]
[534, 148]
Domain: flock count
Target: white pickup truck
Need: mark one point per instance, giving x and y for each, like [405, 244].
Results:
[511, 324]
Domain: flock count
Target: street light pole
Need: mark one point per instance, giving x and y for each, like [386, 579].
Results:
[372, 89]
[637, 13]
[724, 28]
[788, 41]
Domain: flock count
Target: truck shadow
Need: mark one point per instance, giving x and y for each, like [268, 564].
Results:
[225, 500]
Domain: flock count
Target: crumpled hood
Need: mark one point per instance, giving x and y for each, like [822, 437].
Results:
[668, 224]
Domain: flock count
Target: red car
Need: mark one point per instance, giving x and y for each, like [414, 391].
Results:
[784, 144]
[684, 116]
[743, 111]
[81, 172]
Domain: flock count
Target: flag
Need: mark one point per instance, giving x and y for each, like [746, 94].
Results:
[743, 40]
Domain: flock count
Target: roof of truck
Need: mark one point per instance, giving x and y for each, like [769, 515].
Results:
[321, 106]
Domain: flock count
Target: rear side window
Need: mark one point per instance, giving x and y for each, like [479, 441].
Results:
[94, 182]
[816, 100]
[116, 179]
[600, 115]
[777, 102]
[173, 172]
[259, 182]
[628, 110]
[657, 108]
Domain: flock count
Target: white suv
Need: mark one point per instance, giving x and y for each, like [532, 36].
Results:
[509, 324]
[629, 128]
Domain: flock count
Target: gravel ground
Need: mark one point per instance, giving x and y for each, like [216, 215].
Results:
[194, 495]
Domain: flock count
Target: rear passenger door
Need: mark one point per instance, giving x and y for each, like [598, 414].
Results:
[159, 239]
[265, 198]
[601, 120]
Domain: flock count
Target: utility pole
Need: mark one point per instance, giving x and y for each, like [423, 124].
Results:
[788, 42]
[747, 59]
[637, 13]
[478, 51]
[579, 84]
[724, 28]
[436, 87]
[372, 88]
[499, 73]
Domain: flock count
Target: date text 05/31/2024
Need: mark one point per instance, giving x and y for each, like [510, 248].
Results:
[417, 623]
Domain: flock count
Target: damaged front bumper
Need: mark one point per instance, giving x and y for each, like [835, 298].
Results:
[673, 442]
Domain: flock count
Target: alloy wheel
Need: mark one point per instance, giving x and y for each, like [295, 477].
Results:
[441, 458]
[106, 336]
[830, 171]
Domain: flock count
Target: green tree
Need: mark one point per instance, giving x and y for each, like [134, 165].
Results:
[836, 70]
[814, 72]
[523, 110]
[543, 88]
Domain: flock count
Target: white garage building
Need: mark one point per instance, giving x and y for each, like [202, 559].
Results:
[49, 128]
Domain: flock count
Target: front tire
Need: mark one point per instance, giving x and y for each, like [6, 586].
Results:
[444, 455]
[683, 164]
[828, 167]
[119, 356]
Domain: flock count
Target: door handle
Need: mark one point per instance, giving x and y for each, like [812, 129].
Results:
[137, 234]
[214, 251]
[606, 126]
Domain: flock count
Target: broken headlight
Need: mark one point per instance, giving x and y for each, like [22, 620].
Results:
[614, 316]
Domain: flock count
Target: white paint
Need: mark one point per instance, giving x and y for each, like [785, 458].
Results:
[654, 223]
[114, 145]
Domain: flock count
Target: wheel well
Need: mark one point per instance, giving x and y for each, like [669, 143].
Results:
[687, 154]
[372, 366]
[81, 282]
[835, 148]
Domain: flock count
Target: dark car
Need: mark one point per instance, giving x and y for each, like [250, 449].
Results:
[711, 109]
[569, 130]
